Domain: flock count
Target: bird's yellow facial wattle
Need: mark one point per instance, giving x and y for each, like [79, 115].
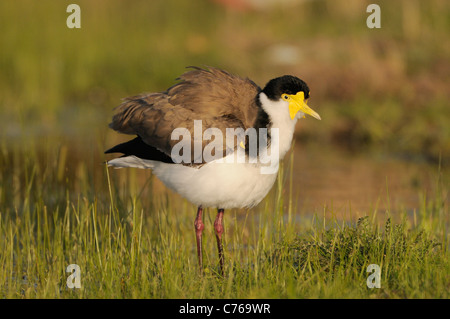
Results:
[297, 103]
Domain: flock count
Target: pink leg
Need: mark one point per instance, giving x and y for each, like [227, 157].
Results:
[218, 227]
[198, 232]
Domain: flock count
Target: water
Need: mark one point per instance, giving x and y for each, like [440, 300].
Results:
[361, 181]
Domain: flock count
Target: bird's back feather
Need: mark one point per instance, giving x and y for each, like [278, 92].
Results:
[217, 98]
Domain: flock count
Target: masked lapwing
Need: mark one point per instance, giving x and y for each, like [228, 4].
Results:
[191, 136]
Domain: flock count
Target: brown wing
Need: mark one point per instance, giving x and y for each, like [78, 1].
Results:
[215, 97]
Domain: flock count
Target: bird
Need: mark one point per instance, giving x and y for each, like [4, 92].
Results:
[205, 100]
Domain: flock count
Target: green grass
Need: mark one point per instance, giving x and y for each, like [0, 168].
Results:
[386, 88]
[131, 244]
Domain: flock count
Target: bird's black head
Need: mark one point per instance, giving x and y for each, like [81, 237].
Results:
[286, 84]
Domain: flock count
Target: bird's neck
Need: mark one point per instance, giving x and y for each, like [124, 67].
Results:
[279, 119]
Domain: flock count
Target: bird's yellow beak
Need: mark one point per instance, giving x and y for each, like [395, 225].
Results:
[297, 103]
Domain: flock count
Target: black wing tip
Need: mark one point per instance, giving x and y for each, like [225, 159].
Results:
[116, 149]
[139, 148]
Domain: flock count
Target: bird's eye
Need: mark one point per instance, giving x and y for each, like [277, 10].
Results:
[285, 97]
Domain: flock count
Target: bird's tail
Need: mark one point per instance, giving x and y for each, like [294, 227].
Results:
[131, 161]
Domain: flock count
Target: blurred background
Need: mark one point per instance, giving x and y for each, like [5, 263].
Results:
[383, 94]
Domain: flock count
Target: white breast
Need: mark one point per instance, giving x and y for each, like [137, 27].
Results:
[221, 185]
